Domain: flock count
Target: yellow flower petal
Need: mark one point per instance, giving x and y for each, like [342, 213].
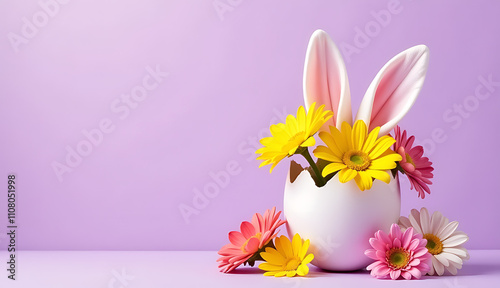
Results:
[359, 134]
[303, 270]
[294, 133]
[280, 274]
[296, 244]
[304, 249]
[346, 133]
[380, 175]
[339, 139]
[371, 139]
[332, 167]
[291, 124]
[274, 259]
[308, 259]
[269, 267]
[286, 246]
[332, 145]
[384, 163]
[380, 146]
[309, 142]
[324, 153]
[346, 175]
[288, 257]
[363, 180]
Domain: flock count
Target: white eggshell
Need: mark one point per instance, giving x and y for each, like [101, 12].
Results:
[339, 219]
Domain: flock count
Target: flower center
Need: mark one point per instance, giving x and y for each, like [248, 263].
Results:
[397, 258]
[356, 160]
[434, 244]
[258, 236]
[292, 264]
[409, 160]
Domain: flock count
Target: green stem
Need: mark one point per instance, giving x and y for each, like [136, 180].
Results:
[309, 159]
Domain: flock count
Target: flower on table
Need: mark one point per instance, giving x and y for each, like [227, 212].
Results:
[293, 136]
[418, 169]
[288, 258]
[444, 241]
[398, 254]
[252, 238]
[356, 154]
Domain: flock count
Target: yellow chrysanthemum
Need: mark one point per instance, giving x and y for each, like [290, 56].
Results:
[357, 155]
[297, 132]
[289, 258]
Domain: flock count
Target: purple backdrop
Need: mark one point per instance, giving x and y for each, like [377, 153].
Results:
[161, 96]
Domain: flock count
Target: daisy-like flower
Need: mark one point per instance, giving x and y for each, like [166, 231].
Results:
[289, 258]
[246, 245]
[398, 254]
[444, 241]
[417, 168]
[357, 154]
[294, 136]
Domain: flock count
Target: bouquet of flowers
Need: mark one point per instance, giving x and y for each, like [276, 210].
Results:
[371, 152]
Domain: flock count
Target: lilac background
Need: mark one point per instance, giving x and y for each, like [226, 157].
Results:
[230, 76]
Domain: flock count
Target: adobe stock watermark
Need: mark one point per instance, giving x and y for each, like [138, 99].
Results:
[455, 116]
[221, 179]
[222, 7]
[365, 34]
[31, 26]
[121, 107]
[120, 279]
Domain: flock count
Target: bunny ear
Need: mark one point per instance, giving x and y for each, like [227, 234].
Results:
[394, 89]
[325, 79]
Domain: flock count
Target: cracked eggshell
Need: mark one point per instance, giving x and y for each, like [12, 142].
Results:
[338, 218]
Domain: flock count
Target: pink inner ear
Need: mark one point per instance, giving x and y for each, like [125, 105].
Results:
[322, 77]
[384, 95]
[397, 88]
[325, 78]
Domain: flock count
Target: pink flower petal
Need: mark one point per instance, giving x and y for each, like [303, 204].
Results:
[406, 275]
[395, 274]
[252, 245]
[420, 252]
[247, 229]
[236, 238]
[407, 236]
[414, 262]
[377, 244]
[415, 272]
[381, 270]
[396, 243]
[373, 265]
[372, 253]
[414, 245]
[395, 231]
[233, 255]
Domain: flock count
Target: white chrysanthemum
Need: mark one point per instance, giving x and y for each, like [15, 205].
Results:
[444, 241]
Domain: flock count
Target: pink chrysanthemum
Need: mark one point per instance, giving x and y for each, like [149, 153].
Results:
[398, 254]
[253, 237]
[417, 168]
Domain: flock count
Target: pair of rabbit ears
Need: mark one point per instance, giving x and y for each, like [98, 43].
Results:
[388, 98]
